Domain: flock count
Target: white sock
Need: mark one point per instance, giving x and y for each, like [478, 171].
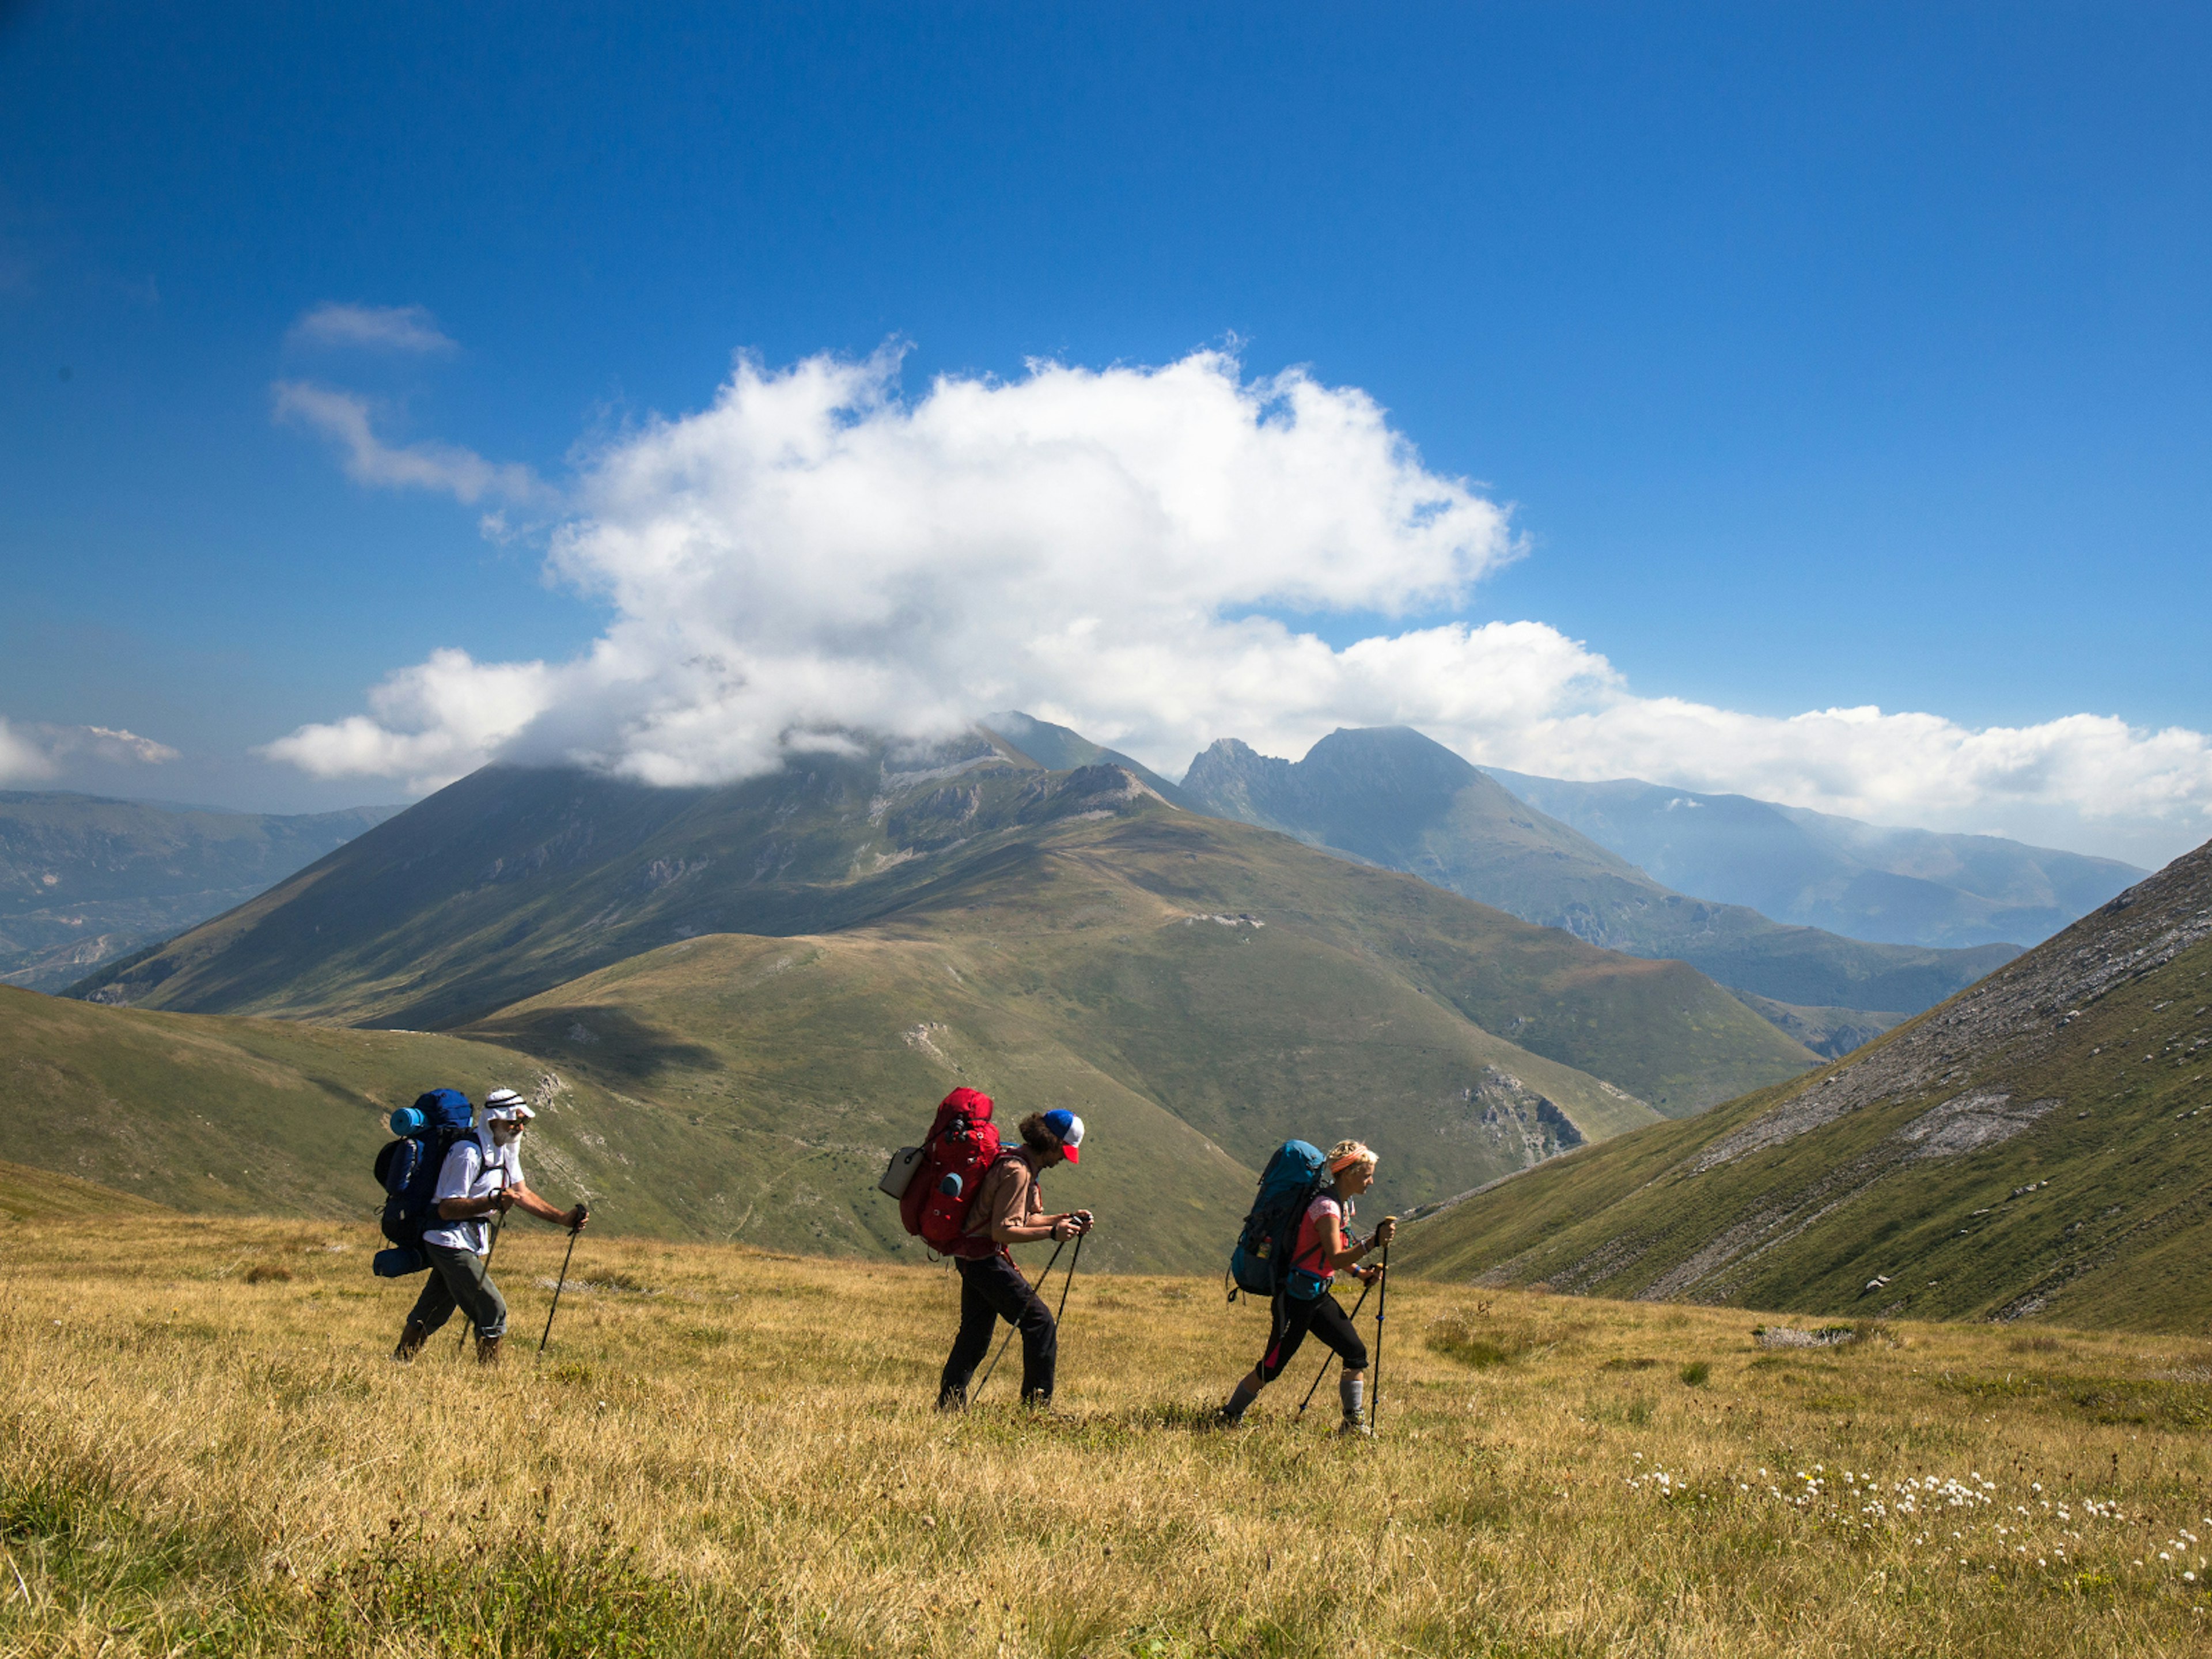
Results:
[1352, 1391]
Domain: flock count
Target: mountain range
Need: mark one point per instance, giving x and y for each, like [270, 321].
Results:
[793, 966]
[85, 880]
[2038, 1146]
[1397, 799]
[1863, 880]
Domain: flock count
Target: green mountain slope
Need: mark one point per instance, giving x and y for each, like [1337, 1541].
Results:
[33, 1197]
[2038, 1146]
[1397, 799]
[85, 880]
[218, 1113]
[510, 882]
[1863, 880]
[1066, 978]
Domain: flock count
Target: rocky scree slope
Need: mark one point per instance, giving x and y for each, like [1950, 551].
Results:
[2038, 1146]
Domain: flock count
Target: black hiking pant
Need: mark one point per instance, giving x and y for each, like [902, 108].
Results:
[457, 1279]
[991, 1289]
[1325, 1318]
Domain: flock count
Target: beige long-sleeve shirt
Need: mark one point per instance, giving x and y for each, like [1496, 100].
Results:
[1011, 1196]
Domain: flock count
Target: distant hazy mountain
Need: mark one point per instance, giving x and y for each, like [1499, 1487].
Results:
[1392, 797]
[84, 880]
[1896, 886]
[2037, 1147]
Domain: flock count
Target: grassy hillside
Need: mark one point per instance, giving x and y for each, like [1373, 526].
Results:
[1397, 799]
[224, 1114]
[204, 1449]
[2037, 1148]
[1062, 982]
[30, 1196]
[1864, 880]
[85, 880]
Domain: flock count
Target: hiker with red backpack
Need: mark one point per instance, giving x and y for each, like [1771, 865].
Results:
[967, 1197]
[1008, 1209]
[1297, 1278]
[481, 1175]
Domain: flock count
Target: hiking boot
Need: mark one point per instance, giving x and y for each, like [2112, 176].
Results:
[1224, 1419]
[952, 1400]
[1352, 1425]
[488, 1350]
[411, 1342]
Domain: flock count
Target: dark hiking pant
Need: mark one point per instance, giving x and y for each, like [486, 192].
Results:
[457, 1278]
[1326, 1319]
[992, 1290]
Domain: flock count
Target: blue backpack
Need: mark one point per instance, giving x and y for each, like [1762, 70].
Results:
[407, 1169]
[1260, 1264]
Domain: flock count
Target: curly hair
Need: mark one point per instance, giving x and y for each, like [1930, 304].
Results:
[1035, 1136]
[1345, 1153]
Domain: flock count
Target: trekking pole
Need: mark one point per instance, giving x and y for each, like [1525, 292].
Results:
[491, 1250]
[1323, 1371]
[1381, 1307]
[1001, 1354]
[1074, 1261]
[563, 1285]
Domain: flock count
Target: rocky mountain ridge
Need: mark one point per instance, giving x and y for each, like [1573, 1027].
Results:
[2039, 1146]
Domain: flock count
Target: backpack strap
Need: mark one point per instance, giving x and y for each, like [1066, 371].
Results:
[1291, 1262]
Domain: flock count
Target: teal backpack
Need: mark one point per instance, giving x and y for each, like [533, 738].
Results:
[1260, 1263]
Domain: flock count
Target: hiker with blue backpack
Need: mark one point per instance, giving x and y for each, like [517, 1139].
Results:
[480, 1176]
[1295, 1242]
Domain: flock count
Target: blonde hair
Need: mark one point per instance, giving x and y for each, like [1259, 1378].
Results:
[1345, 1153]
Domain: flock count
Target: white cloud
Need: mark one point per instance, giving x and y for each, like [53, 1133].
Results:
[811, 553]
[32, 753]
[376, 328]
[21, 759]
[433, 723]
[461, 473]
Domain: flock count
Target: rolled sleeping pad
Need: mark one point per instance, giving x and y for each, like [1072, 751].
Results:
[398, 1263]
[950, 1185]
[407, 1121]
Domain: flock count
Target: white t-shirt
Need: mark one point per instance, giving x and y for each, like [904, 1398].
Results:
[473, 1169]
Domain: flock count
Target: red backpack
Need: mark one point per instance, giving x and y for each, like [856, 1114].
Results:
[963, 1143]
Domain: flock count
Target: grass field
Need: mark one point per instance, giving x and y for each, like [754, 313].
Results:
[204, 1449]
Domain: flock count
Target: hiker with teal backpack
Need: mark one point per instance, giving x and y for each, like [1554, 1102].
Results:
[481, 1175]
[1295, 1242]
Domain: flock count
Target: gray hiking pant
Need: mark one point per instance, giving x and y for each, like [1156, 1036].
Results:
[457, 1278]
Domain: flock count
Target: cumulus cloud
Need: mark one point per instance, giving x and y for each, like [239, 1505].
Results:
[375, 328]
[32, 752]
[345, 418]
[1113, 549]
[432, 722]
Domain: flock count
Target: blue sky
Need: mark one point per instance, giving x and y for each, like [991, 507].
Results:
[1826, 356]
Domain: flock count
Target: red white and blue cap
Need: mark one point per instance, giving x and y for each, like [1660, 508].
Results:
[1066, 1128]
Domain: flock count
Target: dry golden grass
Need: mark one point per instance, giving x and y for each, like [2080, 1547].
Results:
[726, 1452]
